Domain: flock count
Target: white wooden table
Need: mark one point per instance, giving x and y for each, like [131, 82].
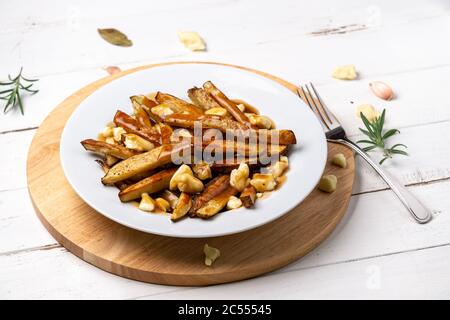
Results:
[376, 252]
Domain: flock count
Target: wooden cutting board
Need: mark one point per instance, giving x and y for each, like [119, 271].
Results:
[165, 260]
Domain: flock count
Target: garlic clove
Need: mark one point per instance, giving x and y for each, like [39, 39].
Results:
[381, 90]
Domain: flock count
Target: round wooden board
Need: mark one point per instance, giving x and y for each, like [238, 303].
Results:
[165, 260]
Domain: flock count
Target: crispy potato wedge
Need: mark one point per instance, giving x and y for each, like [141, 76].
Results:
[213, 206]
[152, 184]
[166, 133]
[146, 104]
[211, 190]
[105, 167]
[131, 125]
[228, 165]
[223, 124]
[142, 117]
[202, 98]
[142, 162]
[143, 101]
[284, 137]
[104, 148]
[177, 105]
[183, 206]
[248, 196]
[244, 149]
[226, 103]
[208, 122]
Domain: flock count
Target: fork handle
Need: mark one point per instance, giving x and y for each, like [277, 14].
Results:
[415, 208]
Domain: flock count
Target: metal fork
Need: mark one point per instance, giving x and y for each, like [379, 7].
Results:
[335, 133]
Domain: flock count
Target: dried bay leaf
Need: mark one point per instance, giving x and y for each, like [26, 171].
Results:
[115, 37]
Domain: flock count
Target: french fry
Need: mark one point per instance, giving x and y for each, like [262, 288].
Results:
[105, 167]
[207, 121]
[131, 125]
[248, 196]
[202, 98]
[226, 103]
[213, 206]
[155, 183]
[182, 208]
[142, 162]
[285, 137]
[146, 104]
[177, 105]
[212, 189]
[142, 118]
[104, 148]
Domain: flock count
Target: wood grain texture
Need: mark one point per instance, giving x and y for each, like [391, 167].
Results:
[145, 257]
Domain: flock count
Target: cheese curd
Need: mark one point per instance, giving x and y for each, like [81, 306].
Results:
[184, 180]
[147, 203]
[117, 133]
[279, 167]
[110, 140]
[239, 177]
[192, 40]
[134, 142]
[162, 204]
[263, 182]
[218, 111]
[211, 254]
[261, 122]
[202, 170]
[368, 111]
[346, 72]
[234, 203]
[162, 111]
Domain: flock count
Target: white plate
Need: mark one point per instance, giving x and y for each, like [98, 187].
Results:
[307, 158]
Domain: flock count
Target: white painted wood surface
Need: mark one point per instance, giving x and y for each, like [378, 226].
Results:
[376, 252]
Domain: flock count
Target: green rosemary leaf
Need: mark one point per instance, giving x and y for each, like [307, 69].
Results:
[20, 103]
[390, 133]
[377, 137]
[365, 141]
[367, 124]
[398, 145]
[5, 91]
[14, 89]
[396, 151]
[367, 133]
[369, 148]
[30, 80]
[381, 119]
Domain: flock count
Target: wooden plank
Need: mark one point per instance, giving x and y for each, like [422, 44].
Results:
[79, 47]
[52, 90]
[57, 274]
[419, 274]
[20, 228]
[375, 224]
[411, 106]
[14, 158]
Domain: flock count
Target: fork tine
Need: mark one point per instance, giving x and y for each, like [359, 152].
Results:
[327, 112]
[312, 104]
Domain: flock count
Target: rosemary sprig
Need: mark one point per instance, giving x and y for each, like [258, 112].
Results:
[377, 137]
[15, 86]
